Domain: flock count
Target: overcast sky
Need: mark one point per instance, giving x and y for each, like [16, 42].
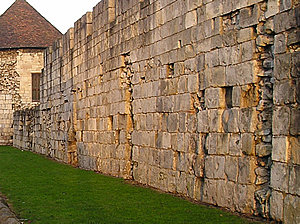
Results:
[61, 13]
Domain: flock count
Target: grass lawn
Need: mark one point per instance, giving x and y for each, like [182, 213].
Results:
[43, 191]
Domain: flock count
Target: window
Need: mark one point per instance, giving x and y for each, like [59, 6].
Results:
[36, 87]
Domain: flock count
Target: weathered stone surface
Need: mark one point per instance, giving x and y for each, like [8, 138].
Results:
[280, 176]
[291, 209]
[280, 149]
[214, 98]
[231, 168]
[286, 20]
[200, 101]
[276, 205]
[246, 170]
[294, 143]
[280, 45]
[282, 65]
[235, 145]
[230, 120]
[263, 150]
[294, 180]
[248, 144]
[244, 193]
[295, 124]
[281, 121]
[216, 164]
[6, 215]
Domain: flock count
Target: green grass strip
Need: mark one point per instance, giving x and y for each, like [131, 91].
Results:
[44, 191]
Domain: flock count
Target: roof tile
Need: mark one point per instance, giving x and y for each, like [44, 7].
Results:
[21, 26]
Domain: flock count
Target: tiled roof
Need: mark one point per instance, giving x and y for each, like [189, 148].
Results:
[21, 26]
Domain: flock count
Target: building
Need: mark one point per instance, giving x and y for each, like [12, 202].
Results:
[24, 35]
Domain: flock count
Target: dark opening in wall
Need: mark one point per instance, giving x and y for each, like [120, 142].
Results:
[228, 96]
[125, 59]
[35, 87]
[180, 45]
[170, 70]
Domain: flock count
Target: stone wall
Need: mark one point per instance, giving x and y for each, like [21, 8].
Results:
[16, 67]
[8, 88]
[186, 96]
[285, 172]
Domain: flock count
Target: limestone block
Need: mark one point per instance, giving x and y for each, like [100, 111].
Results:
[291, 209]
[180, 142]
[272, 8]
[182, 122]
[279, 176]
[293, 37]
[248, 120]
[248, 144]
[214, 98]
[182, 102]
[246, 166]
[216, 167]
[166, 159]
[231, 168]
[249, 16]
[280, 149]
[211, 142]
[245, 74]
[163, 140]
[217, 76]
[245, 35]
[183, 162]
[181, 183]
[212, 58]
[215, 120]
[236, 96]
[285, 5]
[135, 154]
[193, 83]
[210, 191]
[235, 145]
[201, 62]
[263, 149]
[280, 44]
[294, 144]
[244, 198]
[276, 205]
[171, 179]
[225, 56]
[286, 20]
[231, 75]
[229, 38]
[222, 144]
[247, 51]
[283, 66]
[182, 84]
[230, 121]
[295, 124]
[190, 19]
[203, 121]
[225, 193]
[199, 166]
[294, 180]
[281, 121]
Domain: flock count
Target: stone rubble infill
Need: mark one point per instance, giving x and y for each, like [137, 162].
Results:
[6, 215]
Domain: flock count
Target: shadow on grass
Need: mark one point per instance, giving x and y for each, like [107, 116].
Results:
[44, 191]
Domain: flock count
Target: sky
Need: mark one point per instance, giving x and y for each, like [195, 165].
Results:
[61, 13]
